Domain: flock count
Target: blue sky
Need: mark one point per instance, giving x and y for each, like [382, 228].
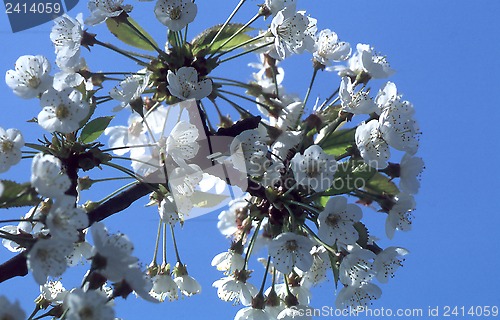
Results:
[446, 57]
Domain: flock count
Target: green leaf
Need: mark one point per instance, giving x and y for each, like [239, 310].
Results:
[123, 31]
[339, 142]
[380, 183]
[94, 129]
[335, 264]
[17, 195]
[363, 234]
[350, 175]
[202, 41]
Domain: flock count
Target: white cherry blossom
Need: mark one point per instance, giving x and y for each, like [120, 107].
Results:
[289, 116]
[336, 222]
[328, 48]
[355, 102]
[184, 180]
[372, 147]
[132, 138]
[230, 220]
[298, 312]
[318, 272]
[356, 297]
[277, 5]
[302, 293]
[164, 287]
[66, 35]
[409, 172]
[286, 141]
[116, 249]
[187, 285]
[265, 76]
[48, 177]
[182, 142]
[276, 103]
[30, 77]
[365, 60]
[291, 35]
[249, 150]
[91, 304]
[129, 90]
[290, 250]
[11, 142]
[82, 251]
[36, 229]
[53, 291]
[251, 313]
[168, 211]
[232, 289]
[69, 77]
[228, 262]
[184, 84]
[400, 216]
[100, 10]
[10, 245]
[314, 169]
[356, 268]
[387, 96]
[176, 14]
[387, 262]
[62, 110]
[140, 282]
[64, 219]
[47, 257]
[398, 128]
[374, 64]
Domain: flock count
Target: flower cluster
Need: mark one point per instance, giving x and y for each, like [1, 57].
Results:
[301, 171]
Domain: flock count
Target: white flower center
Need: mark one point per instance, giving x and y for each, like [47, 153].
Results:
[34, 82]
[187, 88]
[86, 313]
[42, 255]
[291, 245]
[6, 145]
[175, 13]
[59, 221]
[135, 129]
[332, 220]
[313, 168]
[62, 112]
[111, 5]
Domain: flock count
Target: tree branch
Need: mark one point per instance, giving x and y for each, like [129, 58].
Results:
[16, 266]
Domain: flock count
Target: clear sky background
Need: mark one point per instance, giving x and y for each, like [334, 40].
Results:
[446, 54]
